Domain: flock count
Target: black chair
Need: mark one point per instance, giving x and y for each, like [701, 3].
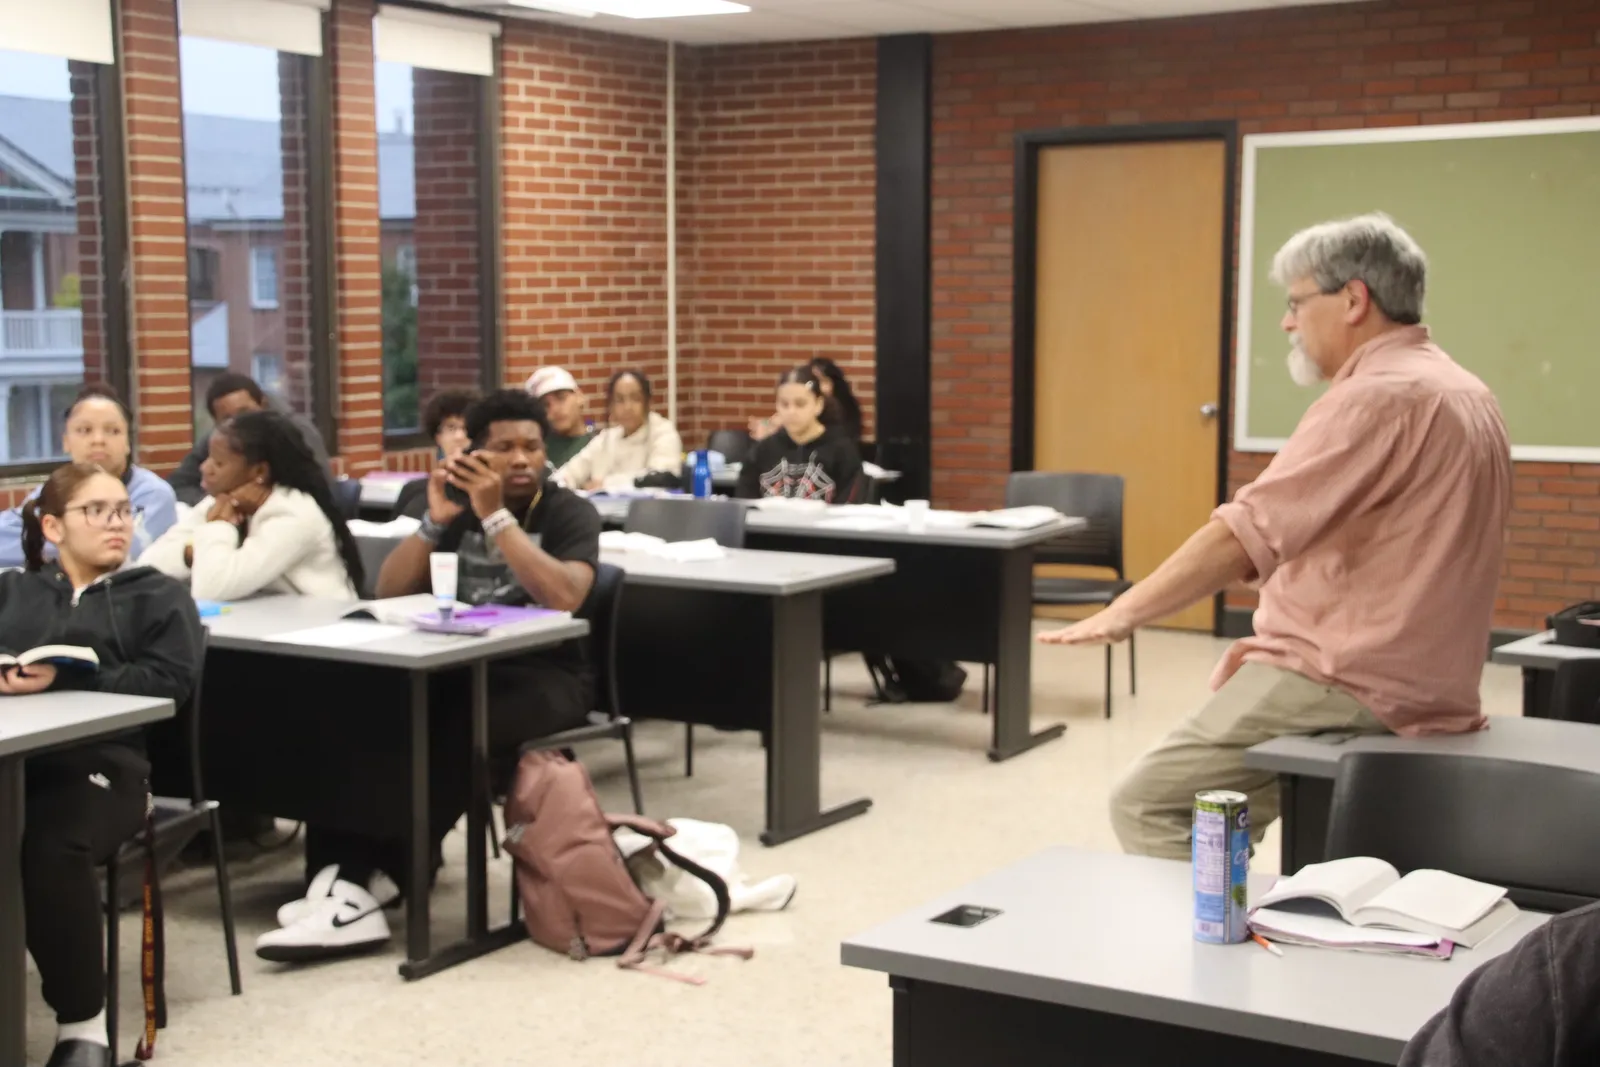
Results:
[176, 821]
[604, 612]
[1527, 826]
[689, 520]
[736, 445]
[347, 494]
[373, 551]
[1575, 694]
[1096, 498]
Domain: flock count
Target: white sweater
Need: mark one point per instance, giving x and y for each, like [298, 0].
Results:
[290, 548]
[615, 461]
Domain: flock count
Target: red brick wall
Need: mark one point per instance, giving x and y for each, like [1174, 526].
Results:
[294, 251]
[775, 228]
[157, 252]
[583, 170]
[1400, 62]
[446, 235]
[89, 248]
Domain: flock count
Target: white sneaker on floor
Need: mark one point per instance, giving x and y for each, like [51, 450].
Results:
[346, 921]
[380, 885]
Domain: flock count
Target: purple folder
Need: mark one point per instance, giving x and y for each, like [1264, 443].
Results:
[488, 615]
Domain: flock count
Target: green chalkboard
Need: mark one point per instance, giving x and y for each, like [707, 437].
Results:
[1509, 215]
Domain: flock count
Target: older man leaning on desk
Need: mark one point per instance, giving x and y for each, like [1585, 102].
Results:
[1376, 534]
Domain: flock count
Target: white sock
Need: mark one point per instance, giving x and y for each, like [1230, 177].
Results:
[92, 1031]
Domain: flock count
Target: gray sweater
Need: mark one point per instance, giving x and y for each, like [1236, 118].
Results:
[185, 481]
[1536, 1006]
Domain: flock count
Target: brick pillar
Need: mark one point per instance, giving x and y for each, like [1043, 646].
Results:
[89, 257]
[294, 268]
[358, 314]
[446, 231]
[158, 243]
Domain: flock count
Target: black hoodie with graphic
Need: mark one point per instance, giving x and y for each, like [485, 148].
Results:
[827, 468]
[142, 625]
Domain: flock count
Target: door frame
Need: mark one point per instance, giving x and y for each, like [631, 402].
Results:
[1025, 223]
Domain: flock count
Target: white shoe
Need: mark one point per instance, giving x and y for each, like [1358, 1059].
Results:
[346, 921]
[380, 885]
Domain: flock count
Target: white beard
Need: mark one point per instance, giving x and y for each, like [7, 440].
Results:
[1303, 370]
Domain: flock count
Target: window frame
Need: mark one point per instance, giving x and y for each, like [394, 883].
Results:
[257, 302]
[489, 225]
[114, 267]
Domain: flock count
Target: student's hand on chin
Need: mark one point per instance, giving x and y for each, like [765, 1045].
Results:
[441, 509]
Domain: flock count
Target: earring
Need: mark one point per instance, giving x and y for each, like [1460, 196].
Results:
[260, 480]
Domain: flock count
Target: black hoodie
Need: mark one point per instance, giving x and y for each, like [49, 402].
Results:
[827, 468]
[141, 624]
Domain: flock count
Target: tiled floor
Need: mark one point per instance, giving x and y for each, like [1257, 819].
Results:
[943, 814]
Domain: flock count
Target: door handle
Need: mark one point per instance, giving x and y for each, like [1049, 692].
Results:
[1208, 411]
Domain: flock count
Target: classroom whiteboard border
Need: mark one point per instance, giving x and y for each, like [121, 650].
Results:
[1243, 440]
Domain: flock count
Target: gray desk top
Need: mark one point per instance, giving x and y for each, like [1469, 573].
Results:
[50, 720]
[748, 571]
[815, 524]
[1540, 652]
[1111, 933]
[249, 625]
[1574, 745]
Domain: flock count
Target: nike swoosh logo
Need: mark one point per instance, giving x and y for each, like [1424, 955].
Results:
[340, 922]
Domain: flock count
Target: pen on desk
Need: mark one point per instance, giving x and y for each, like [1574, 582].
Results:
[1268, 945]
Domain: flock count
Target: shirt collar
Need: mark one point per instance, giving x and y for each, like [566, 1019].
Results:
[1400, 337]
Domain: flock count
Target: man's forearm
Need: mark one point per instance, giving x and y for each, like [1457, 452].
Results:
[552, 582]
[405, 570]
[1210, 561]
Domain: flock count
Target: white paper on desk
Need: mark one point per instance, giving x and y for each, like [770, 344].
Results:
[701, 551]
[403, 526]
[341, 634]
[618, 541]
[860, 522]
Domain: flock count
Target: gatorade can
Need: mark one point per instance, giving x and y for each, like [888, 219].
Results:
[1221, 844]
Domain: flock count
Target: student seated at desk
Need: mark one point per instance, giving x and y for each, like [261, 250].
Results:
[445, 419]
[269, 524]
[811, 457]
[522, 540]
[1376, 534]
[638, 440]
[1537, 1005]
[836, 387]
[84, 802]
[96, 432]
[563, 401]
[227, 396]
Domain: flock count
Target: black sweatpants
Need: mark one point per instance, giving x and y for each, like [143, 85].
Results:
[529, 697]
[82, 804]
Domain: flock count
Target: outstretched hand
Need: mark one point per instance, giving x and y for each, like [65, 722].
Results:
[1103, 628]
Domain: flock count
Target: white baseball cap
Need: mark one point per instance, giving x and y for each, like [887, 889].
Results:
[548, 380]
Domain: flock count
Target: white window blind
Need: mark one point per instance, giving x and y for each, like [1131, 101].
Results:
[74, 29]
[285, 25]
[434, 41]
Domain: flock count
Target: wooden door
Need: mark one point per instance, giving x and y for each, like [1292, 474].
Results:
[1127, 333]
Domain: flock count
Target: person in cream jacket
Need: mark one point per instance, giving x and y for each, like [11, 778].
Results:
[638, 440]
[269, 525]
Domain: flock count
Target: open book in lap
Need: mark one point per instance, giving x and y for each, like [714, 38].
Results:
[1369, 892]
[57, 655]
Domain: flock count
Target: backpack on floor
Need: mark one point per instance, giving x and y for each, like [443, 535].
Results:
[577, 894]
[916, 681]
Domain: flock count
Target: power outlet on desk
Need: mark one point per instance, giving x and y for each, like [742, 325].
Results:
[966, 915]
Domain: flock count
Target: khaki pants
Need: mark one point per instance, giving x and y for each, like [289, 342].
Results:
[1152, 807]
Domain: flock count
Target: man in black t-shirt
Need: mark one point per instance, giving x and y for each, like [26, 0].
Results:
[521, 541]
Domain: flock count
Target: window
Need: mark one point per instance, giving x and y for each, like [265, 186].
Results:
[247, 69]
[433, 180]
[264, 278]
[52, 300]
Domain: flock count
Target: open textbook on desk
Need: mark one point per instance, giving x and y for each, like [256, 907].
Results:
[1373, 901]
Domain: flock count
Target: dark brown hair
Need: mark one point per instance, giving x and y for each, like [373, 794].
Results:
[54, 496]
[809, 376]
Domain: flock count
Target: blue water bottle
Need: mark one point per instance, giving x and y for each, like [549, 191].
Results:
[701, 482]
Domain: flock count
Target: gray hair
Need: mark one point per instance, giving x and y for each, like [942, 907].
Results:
[1368, 248]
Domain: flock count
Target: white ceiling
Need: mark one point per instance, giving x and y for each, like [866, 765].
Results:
[799, 20]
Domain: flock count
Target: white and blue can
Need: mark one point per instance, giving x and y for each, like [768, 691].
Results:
[1221, 852]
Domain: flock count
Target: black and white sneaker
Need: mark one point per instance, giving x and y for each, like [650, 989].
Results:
[380, 885]
[347, 921]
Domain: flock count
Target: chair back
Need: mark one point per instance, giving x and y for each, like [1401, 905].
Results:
[1575, 696]
[347, 495]
[1095, 498]
[734, 444]
[373, 551]
[1526, 826]
[174, 746]
[603, 610]
[689, 520]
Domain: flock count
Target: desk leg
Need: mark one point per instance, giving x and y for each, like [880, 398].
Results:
[794, 750]
[13, 931]
[418, 936]
[1538, 686]
[477, 848]
[1304, 805]
[1013, 683]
